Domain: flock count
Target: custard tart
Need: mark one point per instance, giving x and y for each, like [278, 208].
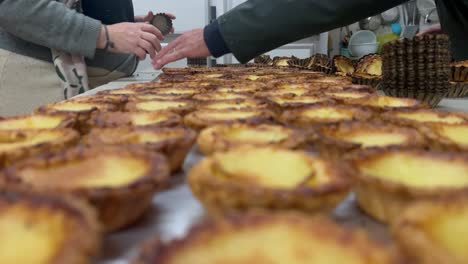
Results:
[82, 111]
[39, 121]
[181, 107]
[344, 96]
[345, 139]
[220, 96]
[19, 144]
[177, 91]
[121, 91]
[239, 104]
[418, 117]
[434, 232]
[201, 119]
[39, 228]
[118, 181]
[293, 101]
[317, 115]
[225, 137]
[268, 178]
[158, 96]
[134, 119]
[448, 137]
[174, 143]
[390, 179]
[263, 238]
[283, 92]
[114, 99]
[380, 103]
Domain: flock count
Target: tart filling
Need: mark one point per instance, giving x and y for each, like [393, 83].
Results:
[291, 101]
[135, 119]
[179, 106]
[174, 143]
[111, 178]
[47, 229]
[224, 137]
[303, 240]
[435, 227]
[424, 171]
[391, 179]
[234, 104]
[16, 145]
[76, 107]
[383, 102]
[452, 137]
[267, 177]
[425, 116]
[203, 118]
[323, 114]
[220, 96]
[40, 121]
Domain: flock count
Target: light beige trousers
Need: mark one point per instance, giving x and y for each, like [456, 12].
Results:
[27, 83]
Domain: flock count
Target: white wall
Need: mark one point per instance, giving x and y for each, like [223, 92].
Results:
[190, 13]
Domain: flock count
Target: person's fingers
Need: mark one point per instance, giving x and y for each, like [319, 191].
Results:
[140, 53]
[172, 46]
[153, 30]
[172, 30]
[175, 55]
[152, 39]
[147, 46]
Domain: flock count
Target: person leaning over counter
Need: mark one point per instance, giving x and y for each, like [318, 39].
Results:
[258, 26]
[35, 35]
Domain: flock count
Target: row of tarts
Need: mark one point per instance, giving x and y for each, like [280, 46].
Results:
[283, 148]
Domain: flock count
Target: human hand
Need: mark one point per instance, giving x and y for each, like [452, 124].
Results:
[434, 29]
[149, 17]
[190, 45]
[132, 38]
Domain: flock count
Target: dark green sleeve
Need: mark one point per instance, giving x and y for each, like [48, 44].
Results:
[454, 20]
[258, 26]
[50, 24]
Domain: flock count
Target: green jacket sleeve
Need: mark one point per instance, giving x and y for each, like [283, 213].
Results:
[258, 26]
[50, 24]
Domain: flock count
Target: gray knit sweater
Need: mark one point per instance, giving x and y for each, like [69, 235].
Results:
[29, 26]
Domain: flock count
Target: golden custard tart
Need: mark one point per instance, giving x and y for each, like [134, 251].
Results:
[434, 232]
[390, 179]
[345, 139]
[119, 182]
[158, 96]
[19, 144]
[380, 103]
[323, 114]
[39, 121]
[262, 238]
[293, 101]
[174, 143]
[345, 95]
[238, 104]
[121, 91]
[134, 119]
[270, 178]
[177, 91]
[39, 228]
[201, 119]
[82, 111]
[418, 117]
[114, 99]
[241, 88]
[215, 96]
[448, 136]
[225, 137]
[283, 92]
[181, 107]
